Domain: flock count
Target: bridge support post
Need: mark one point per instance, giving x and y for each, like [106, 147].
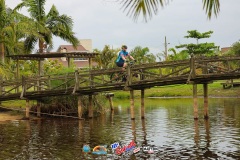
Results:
[1, 87]
[195, 101]
[40, 73]
[90, 107]
[205, 90]
[132, 104]
[27, 109]
[109, 97]
[17, 74]
[39, 108]
[142, 104]
[79, 107]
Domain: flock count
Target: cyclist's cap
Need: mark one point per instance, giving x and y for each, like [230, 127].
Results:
[124, 46]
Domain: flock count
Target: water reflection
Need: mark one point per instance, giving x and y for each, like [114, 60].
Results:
[144, 142]
[134, 130]
[168, 125]
[196, 136]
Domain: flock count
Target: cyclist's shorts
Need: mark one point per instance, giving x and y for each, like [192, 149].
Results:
[120, 64]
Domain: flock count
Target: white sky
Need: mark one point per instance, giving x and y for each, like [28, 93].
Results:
[105, 23]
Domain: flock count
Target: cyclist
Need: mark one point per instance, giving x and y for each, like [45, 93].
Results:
[122, 57]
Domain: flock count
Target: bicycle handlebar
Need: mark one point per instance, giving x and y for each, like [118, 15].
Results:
[130, 62]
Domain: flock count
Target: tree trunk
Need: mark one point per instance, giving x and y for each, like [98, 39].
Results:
[40, 45]
[2, 54]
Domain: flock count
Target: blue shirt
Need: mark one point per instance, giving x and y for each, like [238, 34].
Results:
[119, 58]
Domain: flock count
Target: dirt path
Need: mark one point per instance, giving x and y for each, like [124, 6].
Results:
[6, 116]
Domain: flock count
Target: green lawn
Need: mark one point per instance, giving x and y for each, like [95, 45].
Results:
[214, 89]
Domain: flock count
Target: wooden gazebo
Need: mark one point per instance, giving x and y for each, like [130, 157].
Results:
[41, 56]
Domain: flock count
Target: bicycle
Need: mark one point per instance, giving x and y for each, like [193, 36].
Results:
[122, 75]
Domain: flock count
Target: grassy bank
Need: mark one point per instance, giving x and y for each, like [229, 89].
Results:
[14, 103]
[214, 90]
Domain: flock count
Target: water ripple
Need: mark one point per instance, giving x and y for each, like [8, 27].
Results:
[169, 126]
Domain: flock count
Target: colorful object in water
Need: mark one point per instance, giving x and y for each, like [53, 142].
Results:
[99, 150]
[86, 148]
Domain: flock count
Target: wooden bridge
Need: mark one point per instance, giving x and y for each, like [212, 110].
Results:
[201, 70]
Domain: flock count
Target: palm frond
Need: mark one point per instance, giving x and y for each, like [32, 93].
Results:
[146, 8]
[211, 6]
[3, 15]
[36, 9]
[53, 12]
[30, 43]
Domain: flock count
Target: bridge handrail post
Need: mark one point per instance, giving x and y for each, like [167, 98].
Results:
[229, 69]
[76, 87]
[38, 83]
[192, 66]
[66, 85]
[205, 67]
[49, 82]
[142, 77]
[23, 87]
[160, 72]
[91, 79]
[129, 76]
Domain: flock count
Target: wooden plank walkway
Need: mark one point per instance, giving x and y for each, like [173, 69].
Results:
[192, 71]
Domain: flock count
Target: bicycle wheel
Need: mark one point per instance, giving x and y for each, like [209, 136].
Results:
[114, 77]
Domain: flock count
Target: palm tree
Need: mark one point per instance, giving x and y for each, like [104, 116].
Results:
[142, 55]
[106, 57]
[47, 25]
[147, 8]
[6, 26]
[14, 27]
[3, 22]
[177, 56]
[18, 29]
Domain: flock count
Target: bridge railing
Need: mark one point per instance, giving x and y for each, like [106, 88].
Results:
[97, 79]
[218, 64]
[160, 73]
[9, 87]
[44, 84]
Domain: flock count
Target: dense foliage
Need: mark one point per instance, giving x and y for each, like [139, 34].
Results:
[199, 48]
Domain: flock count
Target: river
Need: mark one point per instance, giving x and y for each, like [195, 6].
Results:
[167, 132]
